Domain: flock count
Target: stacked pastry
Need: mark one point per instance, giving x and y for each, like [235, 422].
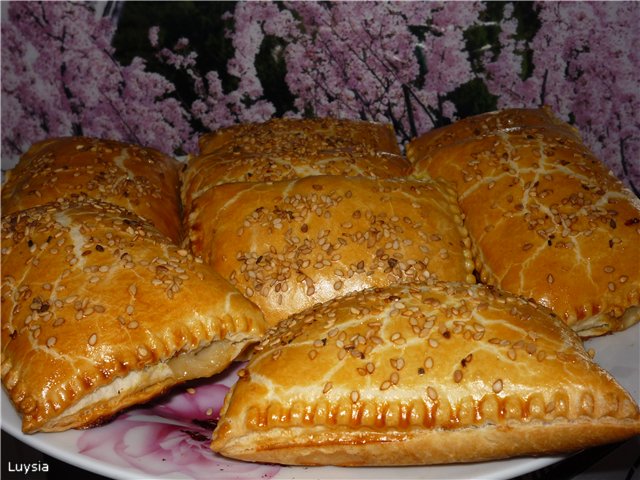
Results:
[345, 222]
[382, 348]
[383, 351]
[546, 218]
[100, 308]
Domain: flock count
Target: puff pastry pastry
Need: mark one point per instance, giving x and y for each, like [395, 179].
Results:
[416, 374]
[140, 179]
[282, 149]
[546, 219]
[290, 244]
[100, 311]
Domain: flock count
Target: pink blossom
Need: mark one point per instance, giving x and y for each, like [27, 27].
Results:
[60, 78]
[153, 36]
[585, 69]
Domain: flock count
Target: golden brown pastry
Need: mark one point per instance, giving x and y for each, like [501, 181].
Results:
[284, 149]
[290, 244]
[143, 180]
[546, 218]
[416, 374]
[100, 311]
[508, 120]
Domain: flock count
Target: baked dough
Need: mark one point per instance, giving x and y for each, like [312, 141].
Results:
[284, 149]
[143, 180]
[416, 374]
[546, 219]
[100, 311]
[290, 244]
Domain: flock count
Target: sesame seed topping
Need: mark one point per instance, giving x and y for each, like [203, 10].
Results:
[93, 339]
[497, 386]
[51, 341]
[457, 376]
[355, 396]
[550, 279]
[327, 386]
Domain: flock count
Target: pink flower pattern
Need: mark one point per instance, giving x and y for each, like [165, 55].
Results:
[394, 62]
[171, 436]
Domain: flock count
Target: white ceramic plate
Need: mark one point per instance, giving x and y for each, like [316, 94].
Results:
[170, 438]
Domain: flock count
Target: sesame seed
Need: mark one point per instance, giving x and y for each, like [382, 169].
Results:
[312, 354]
[394, 378]
[142, 351]
[457, 376]
[609, 269]
[93, 339]
[385, 385]
[327, 386]
[497, 386]
[611, 286]
[355, 396]
[550, 279]
[428, 363]
[51, 341]
[623, 278]
[432, 393]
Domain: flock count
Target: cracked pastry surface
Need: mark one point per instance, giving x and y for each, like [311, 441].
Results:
[100, 311]
[546, 218]
[285, 148]
[290, 244]
[421, 374]
[140, 179]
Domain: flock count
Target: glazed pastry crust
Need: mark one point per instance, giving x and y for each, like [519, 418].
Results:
[547, 220]
[142, 180]
[290, 244]
[100, 311]
[284, 149]
[415, 374]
